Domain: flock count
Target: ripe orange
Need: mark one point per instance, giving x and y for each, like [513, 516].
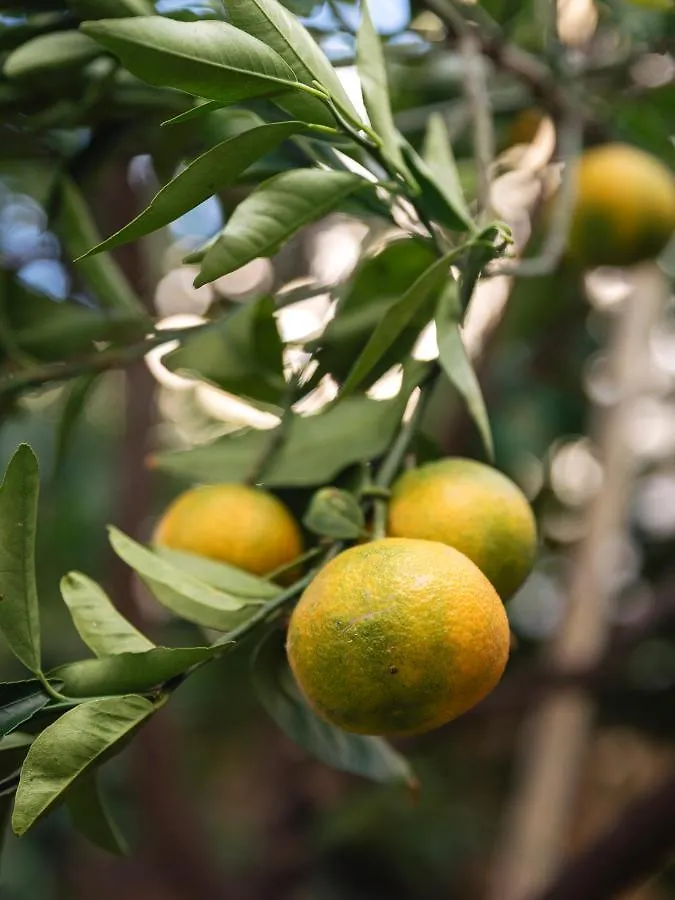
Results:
[473, 508]
[625, 207]
[232, 523]
[397, 637]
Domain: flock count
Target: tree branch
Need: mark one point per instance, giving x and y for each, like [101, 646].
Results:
[633, 849]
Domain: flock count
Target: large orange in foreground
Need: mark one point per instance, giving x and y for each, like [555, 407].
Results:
[397, 637]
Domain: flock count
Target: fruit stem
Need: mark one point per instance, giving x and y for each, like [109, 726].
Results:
[394, 458]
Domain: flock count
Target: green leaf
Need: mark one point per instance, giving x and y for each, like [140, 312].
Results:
[316, 449]
[484, 251]
[19, 701]
[183, 594]
[221, 575]
[111, 9]
[76, 396]
[80, 739]
[100, 625]
[42, 56]
[103, 275]
[207, 59]
[399, 316]
[128, 673]
[90, 817]
[273, 682]
[279, 29]
[242, 353]
[438, 204]
[374, 289]
[266, 219]
[373, 74]
[216, 169]
[53, 331]
[457, 365]
[203, 108]
[19, 614]
[336, 514]
[437, 154]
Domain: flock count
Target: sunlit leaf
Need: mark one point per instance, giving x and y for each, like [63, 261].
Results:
[373, 75]
[278, 28]
[397, 319]
[266, 219]
[182, 593]
[100, 625]
[457, 365]
[315, 450]
[241, 353]
[437, 154]
[208, 59]
[80, 739]
[128, 673]
[221, 575]
[205, 176]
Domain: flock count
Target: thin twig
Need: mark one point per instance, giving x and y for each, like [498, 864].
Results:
[555, 736]
[636, 846]
[478, 98]
[570, 141]
[104, 360]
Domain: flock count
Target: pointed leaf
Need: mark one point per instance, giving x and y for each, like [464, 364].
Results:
[90, 817]
[180, 592]
[315, 450]
[367, 756]
[128, 673]
[336, 514]
[19, 615]
[279, 29]
[457, 365]
[207, 59]
[263, 222]
[19, 701]
[242, 353]
[47, 54]
[438, 203]
[215, 170]
[80, 739]
[397, 319]
[437, 154]
[484, 251]
[103, 275]
[100, 625]
[375, 288]
[221, 575]
[373, 74]
[202, 108]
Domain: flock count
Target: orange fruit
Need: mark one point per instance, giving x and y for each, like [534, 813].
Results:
[625, 207]
[232, 523]
[397, 637]
[473, 508]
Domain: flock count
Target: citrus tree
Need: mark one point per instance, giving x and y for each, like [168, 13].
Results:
[237, 100]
